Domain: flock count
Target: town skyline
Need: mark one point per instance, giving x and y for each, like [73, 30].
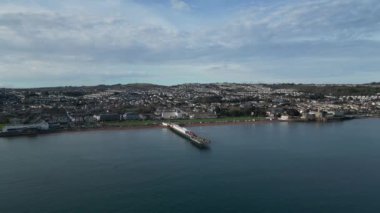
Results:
[136, 105]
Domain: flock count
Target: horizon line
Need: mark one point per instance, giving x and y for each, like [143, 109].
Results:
[171, 85]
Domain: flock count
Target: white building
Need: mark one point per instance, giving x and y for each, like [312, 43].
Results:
[173, 114]
[41, 126]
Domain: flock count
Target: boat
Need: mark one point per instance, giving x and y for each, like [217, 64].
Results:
[191, 136]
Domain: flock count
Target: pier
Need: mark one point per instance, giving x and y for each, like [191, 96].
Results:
[187, 134]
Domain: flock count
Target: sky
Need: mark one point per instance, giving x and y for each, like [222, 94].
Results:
[91, 42]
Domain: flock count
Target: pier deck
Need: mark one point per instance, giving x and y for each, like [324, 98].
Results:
[189, 135]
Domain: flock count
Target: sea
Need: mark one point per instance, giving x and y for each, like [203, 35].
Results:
[260, 167]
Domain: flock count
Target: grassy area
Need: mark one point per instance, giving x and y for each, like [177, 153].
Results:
[180, 121]
[131, 123]
[217, 120]
[1, 126]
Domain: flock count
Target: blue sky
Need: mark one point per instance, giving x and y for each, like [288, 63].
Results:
[89, 42]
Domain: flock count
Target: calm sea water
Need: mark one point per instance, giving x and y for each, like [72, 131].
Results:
[271, 167]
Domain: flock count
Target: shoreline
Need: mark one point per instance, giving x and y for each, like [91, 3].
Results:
[159, 126]
[195, 124]
[142, 127]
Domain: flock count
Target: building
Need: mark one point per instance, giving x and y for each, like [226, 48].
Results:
[284, 118]
[132, 116]
[108, 117]
[308, 116]
[321, 115]
[21, 128]
[173, 114]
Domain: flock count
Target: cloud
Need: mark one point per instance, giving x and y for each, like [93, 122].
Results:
[304, 21]
[179, 5]
[272, 30]
[132, 42]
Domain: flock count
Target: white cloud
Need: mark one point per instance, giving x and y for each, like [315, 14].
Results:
[309, 21]
[57, 43]
[179, 5]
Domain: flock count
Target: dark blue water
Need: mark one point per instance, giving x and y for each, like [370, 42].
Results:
[272, 167]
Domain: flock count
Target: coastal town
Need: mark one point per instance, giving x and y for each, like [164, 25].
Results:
[40, 110]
